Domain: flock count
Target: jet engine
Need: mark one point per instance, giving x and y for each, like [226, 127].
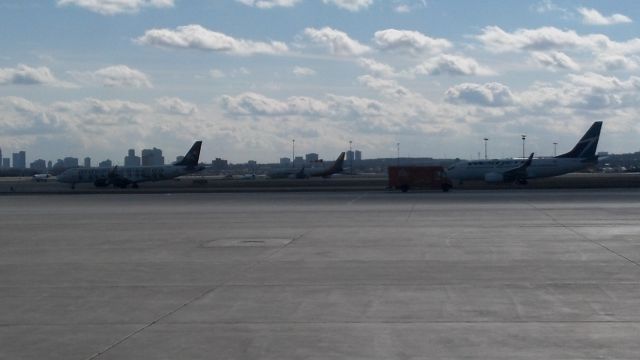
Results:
[101, 183]
[493, 177]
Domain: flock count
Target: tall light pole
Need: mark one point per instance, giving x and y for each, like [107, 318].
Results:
[293, 152]
[523, 138]
[398, 147]
[485, 148]
[555, 147]
[351, 159]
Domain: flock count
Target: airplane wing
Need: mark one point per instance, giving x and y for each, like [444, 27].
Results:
[518, 173]
[116, 179]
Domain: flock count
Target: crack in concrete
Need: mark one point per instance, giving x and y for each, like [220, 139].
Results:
[584, 237]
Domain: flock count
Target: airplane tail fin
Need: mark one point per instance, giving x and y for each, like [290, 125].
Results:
[192, 156]
[301, 174]
[586, 147]
[337, 165]
[528, 162]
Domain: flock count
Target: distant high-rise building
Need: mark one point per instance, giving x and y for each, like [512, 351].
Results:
[285, 162]
[311, 157]
[20, 160]
[87, 162]
[58, 166]
[358, 155]
[39, 165]
[151, 157]
[298, 161]
[105, 164]
[219, 164]
[0, 157]
[70, 162]
[49, 165]
[350, 155]
[6, 163]
[132, 159]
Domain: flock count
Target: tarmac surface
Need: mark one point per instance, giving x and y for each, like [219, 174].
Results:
[528, 274]
[343, 182]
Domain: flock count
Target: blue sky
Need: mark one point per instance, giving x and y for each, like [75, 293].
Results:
[96, 77]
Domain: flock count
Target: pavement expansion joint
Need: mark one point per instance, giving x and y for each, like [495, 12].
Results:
[134, 333]
[585, 238]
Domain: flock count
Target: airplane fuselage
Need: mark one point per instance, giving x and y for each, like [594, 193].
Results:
[292, 173]
[540, 167]
[134, 174]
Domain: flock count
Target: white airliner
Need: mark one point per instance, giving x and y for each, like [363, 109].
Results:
[40, 177]
[511, 170]
[305, 173]
[132, 175]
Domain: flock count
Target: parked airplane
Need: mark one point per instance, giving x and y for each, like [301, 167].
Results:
[132, 175]
[40, 177]
[581, 156]
[304, 173]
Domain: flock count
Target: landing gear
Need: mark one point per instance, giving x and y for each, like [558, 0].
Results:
[522, 181]
[73, 186]
[134, 185]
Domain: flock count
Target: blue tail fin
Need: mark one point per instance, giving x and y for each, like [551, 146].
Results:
[586, 147]
[337, 165]
[192, 157]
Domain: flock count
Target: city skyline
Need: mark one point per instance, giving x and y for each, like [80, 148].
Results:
[154, 157]
[247, 77]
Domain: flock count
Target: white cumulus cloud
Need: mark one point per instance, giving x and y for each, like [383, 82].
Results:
[451, 65]
[26, 75]
[268, 4]
[376, 67]
[386, 87]
[617, 62]
[254, 104]
[199, 38]
[594, 17]
[411, 41]
[338, 42]
[112, 7]
[551, 38]
[407, 6]
[351, 5]
[122, 76]
[303, 71]
[545, 6]
[251, 103]
[489, 94]
[176, 106]
[21, 117]
[555, 60]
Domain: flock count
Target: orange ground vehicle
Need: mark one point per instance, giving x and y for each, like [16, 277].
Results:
[424, 177]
